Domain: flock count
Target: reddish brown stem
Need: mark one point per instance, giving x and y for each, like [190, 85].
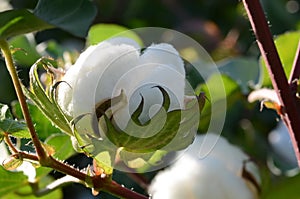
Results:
[16, 151]
[268, 50]
[123, 192]
[295, 73]
[28, 156]
[141, 180]
[10, 144]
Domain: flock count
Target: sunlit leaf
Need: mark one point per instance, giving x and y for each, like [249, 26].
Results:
[24, 192]
[25, 53]
[17, 22]
[286, 45]
[287, 188]
[232, 96]
[62, 146]
[101, 32]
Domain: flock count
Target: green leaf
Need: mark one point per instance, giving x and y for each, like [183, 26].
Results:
[286, 45]
[26, 53]
[11, 181]
[232, 94]
[57, 194]
[43, 126]
[72, 16]
[10, 125]
[62, 145]
[101, 32]
[287, 188]
[245, 71]
[63, 149]
[67, 15]
[17, 22]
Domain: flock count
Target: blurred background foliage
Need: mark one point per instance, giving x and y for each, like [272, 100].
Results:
[222, 28]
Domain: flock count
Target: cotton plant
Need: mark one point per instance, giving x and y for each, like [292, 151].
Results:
[118, 104]
[127, 106]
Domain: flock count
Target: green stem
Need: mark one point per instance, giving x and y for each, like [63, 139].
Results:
[13, 73]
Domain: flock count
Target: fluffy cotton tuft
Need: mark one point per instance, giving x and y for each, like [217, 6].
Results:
[118, 65]
[216, 176]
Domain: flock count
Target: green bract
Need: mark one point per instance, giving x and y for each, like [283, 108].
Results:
[45, 100]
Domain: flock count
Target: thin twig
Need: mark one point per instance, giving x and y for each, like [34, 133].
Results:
[140, 179]
[121, 191]
[295, 72]
[15, 151]
[10, 144]
[268, 50]
[13, 73]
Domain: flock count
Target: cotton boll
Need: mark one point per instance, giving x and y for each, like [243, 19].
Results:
[3, 152]
[219, 148]
[280, 141]
[103, 71]
[212, 177]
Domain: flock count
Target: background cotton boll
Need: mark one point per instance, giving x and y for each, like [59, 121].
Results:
[191, 178]
[218, 147]
[210, 177]
[280, 141]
